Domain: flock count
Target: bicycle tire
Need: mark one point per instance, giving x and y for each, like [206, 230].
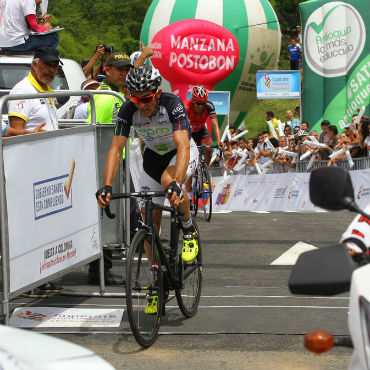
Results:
[139, 286]
[206, 192]
[195, 193]
[188, 296]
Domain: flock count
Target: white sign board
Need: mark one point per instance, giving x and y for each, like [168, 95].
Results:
[55, 317]
[52, 212]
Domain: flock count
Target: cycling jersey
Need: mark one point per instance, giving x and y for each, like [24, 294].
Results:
[198, 121]
[156, 131]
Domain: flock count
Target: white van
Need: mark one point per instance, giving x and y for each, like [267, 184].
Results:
[14, 68]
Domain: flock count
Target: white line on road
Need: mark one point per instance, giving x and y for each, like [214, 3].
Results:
[291, 255]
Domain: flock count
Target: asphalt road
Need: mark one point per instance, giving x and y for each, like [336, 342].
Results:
[247, 317]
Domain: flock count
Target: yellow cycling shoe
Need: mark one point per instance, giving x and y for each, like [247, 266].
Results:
[190, 247]
[152, 305]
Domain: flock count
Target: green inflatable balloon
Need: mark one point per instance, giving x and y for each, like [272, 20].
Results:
[253, 23]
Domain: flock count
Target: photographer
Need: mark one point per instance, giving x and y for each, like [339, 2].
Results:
[101, 51]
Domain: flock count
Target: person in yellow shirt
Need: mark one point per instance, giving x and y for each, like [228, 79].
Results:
[271, 117]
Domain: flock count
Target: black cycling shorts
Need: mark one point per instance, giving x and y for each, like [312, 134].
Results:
[155, 164]
[201, 136]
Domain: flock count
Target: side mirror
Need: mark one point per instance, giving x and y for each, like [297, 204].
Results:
[331, 188]
[324, 271]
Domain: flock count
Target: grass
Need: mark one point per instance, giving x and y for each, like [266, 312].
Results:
[255, 120]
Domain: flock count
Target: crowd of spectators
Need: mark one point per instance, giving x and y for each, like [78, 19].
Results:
[281, 148]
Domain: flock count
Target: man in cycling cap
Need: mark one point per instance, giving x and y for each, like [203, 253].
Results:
[170, 155]
[199, 108]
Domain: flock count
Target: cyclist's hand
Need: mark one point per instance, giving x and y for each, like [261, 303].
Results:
[174, 194]
[103, 196]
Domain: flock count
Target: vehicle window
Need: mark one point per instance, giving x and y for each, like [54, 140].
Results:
[11, 74]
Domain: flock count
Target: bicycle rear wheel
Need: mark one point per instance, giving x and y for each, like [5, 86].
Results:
[190, 275]
[141, 286]
[206, 188]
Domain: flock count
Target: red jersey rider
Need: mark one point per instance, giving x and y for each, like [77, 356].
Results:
[199, 109]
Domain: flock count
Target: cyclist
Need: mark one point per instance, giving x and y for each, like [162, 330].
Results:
[199, 108]
[170, 156]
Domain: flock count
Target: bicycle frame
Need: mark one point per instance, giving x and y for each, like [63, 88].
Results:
[149, 224]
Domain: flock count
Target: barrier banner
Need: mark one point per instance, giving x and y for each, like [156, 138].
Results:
[52, 212]
[276, 192]
[336, 64]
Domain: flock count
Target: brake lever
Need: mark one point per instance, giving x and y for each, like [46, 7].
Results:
[109, 213]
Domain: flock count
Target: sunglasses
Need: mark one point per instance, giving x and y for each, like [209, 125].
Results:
[199, 103]
[144, 99]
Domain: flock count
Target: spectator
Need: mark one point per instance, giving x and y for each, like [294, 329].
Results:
[315, 134]
[296, 130]
[299, 35]
[365, 136]
[79, 111]
[87, 65]
[270, 116]
[297, 112]
[287, 131]
[232, 131]
[230, 158]
[19, 20]
[262, 152]
[333, 137]
[10, 131]
[304, 126]
[343, 142]
[291, 121]
[282, 160]
[294, 51]
[30, 113]
[220, 153]
[354, 140]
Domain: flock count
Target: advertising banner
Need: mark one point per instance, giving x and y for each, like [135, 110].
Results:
[336, 69]
[217, 43]
[52, 211]
[278, 85]
[220, 99]
[276, 192]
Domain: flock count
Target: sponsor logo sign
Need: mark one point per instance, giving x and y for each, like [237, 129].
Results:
[363, 192]
[334, 39]
[53, 195]
[194, 50]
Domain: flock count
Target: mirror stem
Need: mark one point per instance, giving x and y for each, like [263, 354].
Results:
[350, 204]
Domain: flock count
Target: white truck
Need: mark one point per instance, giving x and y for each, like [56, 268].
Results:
[15, 67]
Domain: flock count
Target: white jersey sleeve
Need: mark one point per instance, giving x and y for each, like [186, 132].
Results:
[359, 229]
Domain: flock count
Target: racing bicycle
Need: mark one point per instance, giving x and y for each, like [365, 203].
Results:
[166, 272]
[201, 187]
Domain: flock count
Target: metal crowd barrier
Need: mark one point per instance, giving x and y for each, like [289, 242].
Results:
[4, 241]
[362, 163]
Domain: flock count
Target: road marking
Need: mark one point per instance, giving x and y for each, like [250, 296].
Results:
[221, 211]
[260, 212]
[272, 296]
[291, 255]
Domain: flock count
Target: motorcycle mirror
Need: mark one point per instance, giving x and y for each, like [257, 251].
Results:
[331, 188]
[325, 271]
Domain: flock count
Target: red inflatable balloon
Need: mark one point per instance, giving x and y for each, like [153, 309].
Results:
[194, 52]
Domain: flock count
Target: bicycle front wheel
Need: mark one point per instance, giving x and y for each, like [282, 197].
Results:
[190, 275]
[143, 284]
[206, 186]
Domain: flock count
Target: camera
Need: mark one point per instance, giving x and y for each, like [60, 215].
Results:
[107, 49]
